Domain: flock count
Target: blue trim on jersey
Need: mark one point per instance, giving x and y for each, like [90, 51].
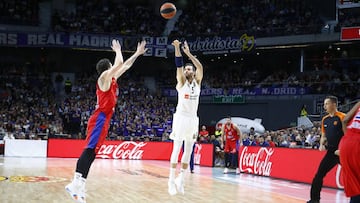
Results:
[95, 134]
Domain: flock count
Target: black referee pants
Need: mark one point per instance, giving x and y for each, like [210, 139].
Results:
[329, 161]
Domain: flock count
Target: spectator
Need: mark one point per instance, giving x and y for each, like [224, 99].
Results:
[68, 86]
[252, 131]
[303, 111]
[204, 134]
[245, 140]
[219, 152]
[9, 136]
[283, 142]
[218, 132]
[262, 142]
[269, 140]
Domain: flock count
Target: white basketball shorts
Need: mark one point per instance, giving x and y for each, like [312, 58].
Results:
[184, 127]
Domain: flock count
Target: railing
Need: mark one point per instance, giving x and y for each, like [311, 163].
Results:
[347, 107]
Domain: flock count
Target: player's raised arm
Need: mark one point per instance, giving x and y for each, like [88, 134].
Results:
[118, 62]
[116, 47]
[179, 64]
[140, 50]
[199, 68]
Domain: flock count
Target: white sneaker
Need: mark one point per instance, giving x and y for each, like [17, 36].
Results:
[82, 193]
[76, 188]
[180, 185]
[172, 187]
[237, 171]
[76, 193]
[226, 170]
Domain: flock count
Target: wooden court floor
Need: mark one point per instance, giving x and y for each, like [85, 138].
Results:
[42, 180]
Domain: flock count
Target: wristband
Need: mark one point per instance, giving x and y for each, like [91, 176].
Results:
[179, 61]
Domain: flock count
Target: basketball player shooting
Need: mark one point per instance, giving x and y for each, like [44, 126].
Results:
[185, 119]
[99, 122]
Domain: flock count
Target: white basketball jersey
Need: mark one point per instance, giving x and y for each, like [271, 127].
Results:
[188, 98]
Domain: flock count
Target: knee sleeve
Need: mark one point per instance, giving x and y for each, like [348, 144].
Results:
[175, 152]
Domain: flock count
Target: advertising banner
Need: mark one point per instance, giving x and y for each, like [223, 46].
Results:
[157, 46]
[298, 165]
[246, 91]
[221, 44]
[56, 39]
[67, 148]
[25, 148]
[350, 33]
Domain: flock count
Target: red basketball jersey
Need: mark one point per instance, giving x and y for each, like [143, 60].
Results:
[106, 101]
[354, 124]
[231, 134]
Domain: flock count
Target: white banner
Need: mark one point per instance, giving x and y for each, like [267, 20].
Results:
[26, 148]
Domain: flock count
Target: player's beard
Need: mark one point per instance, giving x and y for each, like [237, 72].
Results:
[189, 77]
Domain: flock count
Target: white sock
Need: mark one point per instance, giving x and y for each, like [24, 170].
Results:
[77, 178]
[172, 174]
[182, 174]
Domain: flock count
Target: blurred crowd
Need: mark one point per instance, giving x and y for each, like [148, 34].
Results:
[348, 18]
[259, 18]
[201, 17]
[33, 107]
[19, 12]
[116, 17]
[296, 137]
[344, 84]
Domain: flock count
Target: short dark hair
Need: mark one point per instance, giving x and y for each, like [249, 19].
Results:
[102, 65]
[333, 99]
[190, 64]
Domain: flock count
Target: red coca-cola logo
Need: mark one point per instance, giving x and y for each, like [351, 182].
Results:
[257, 162]
[125, 150]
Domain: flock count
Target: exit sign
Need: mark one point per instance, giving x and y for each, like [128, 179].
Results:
[350, 33]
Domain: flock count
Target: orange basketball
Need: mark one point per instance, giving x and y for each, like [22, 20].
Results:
[168, 10]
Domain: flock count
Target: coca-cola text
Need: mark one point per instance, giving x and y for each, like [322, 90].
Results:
[125, 150]
[256, 162]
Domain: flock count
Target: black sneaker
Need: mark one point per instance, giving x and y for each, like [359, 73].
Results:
[313, 201]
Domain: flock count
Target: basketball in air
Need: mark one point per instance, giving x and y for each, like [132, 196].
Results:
[168, 10]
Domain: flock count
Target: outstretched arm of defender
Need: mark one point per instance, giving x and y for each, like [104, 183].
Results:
[130, 61]
[116, 47]
[195, 61]
[179, 63]
[108, 74]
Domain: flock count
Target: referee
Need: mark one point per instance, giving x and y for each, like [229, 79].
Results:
[331, 133]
